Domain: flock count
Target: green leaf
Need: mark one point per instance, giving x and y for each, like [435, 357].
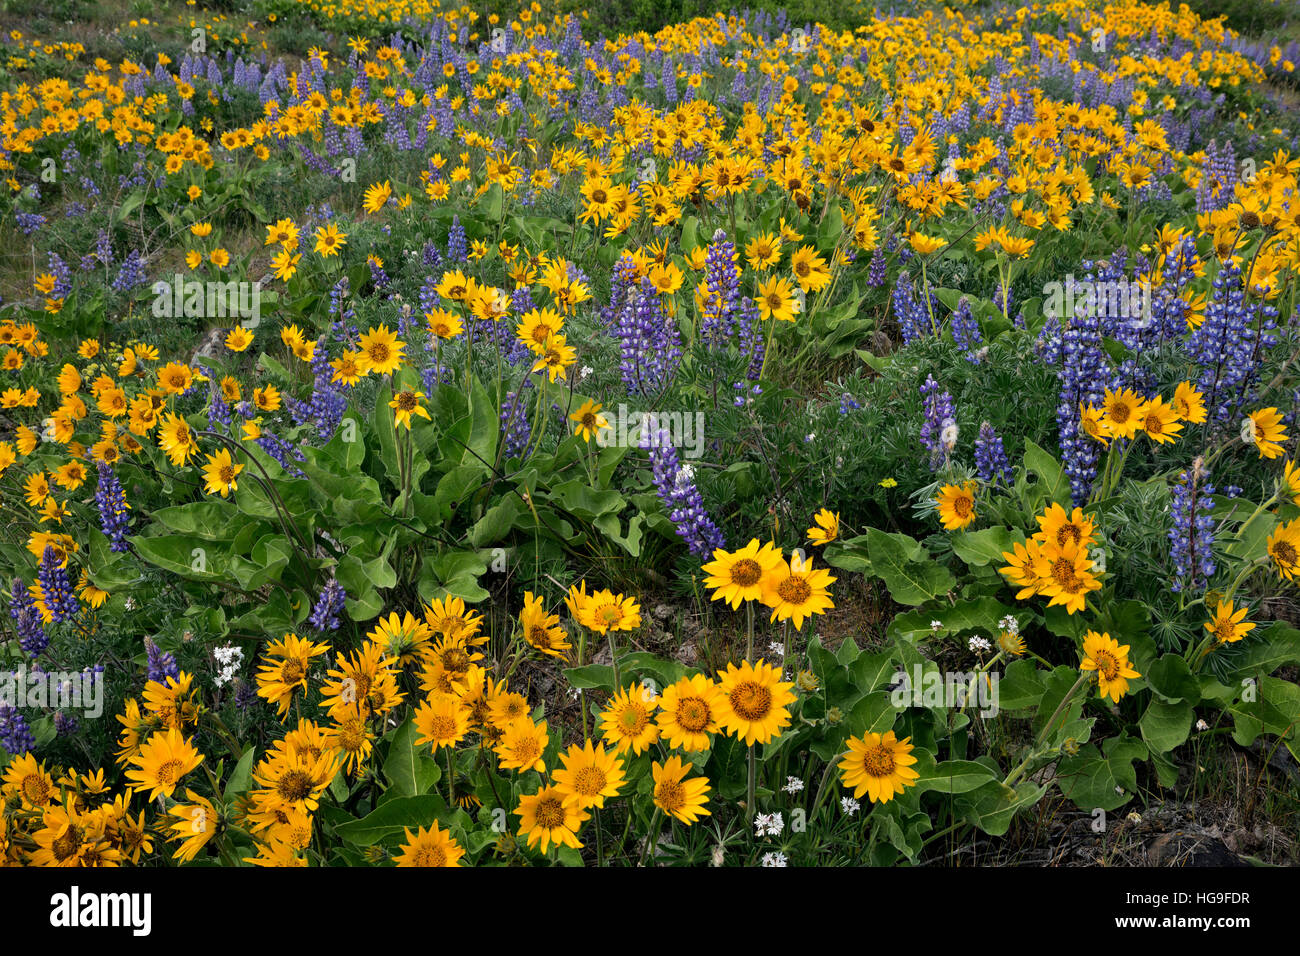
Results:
[408, 770]
[1166, 725]
[180, 555]
[241, 776]
[1050, 474]
[993, 806]
[393, 816]
[210, 520]
[1277, 645]
[981, 614]
[1172, 679]
[497, 522]
[1275, 710]
[874, 714]
[956, 776]
[1102, 780]
[1021, 687]
[591, 677]
[978, 548]
[909, 581]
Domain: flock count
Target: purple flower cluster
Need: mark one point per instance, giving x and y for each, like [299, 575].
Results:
[15, 735]
[27, 620]
[751, 340]
[161, 664]
[130, 275]
[991, 458]
[29, 222]
[938, 430]
[325, 613]
[328, 399]
[111, 500]
[877, 271]
[621, 283]
[722, 277]
[1214, 191]
[675, 485]
[516, 431]
[1191, 537]
[1084, 374]
[1228, 345]
[284, 453]
[966, 330]
[65, 725]
[457, 241]
[56, 588]
[913, 317]
[649, 343]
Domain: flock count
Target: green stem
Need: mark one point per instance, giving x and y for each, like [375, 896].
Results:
[652, 835]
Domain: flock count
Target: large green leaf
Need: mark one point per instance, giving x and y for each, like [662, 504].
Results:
[993, 806]
[957, 776]
[1051, 479]
[183, 555]
[409, 770]
[910, 581]
[1165, 725]
[393, 816]
[978, 548]
[1102, 780]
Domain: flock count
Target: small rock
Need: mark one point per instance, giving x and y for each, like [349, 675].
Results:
[1188, 849]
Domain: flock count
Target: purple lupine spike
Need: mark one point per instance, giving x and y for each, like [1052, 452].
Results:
[991, 458]
[649, 340]
[56, 588]
[722, 277]
[457, 241]
[675, 485]
[1191, 535]
[27, 620]
[516, 430]
[161, 664]
[1229, 345]
[325, 614]
[939, 429]
[113, 509]
[15, 734]
[966, 331]
[913, 318]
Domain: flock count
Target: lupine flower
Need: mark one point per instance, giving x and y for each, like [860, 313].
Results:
[15, 735]
[675, 485]
[1191, 537]
[161, 664]
[939, 424]
[966, 330]
[650, 344]
[27, 620]
[991, 458]
[56, 588]
[325, 613]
